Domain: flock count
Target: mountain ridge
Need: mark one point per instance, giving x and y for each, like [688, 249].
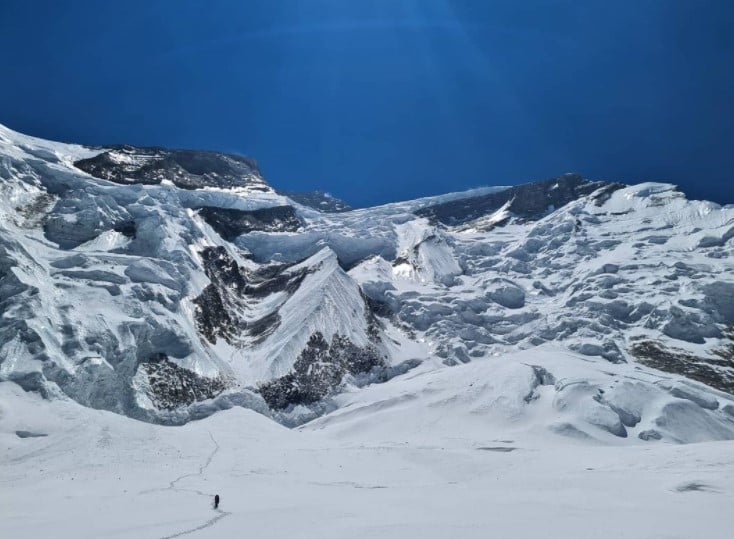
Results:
[188, 285]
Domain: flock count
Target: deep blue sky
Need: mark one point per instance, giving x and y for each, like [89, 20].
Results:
[379, 100]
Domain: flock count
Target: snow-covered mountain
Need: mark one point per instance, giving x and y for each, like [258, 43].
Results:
[168, 284]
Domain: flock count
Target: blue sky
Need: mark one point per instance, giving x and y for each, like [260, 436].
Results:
[380, 100]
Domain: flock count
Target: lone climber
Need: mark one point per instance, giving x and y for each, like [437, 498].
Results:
[216, 501]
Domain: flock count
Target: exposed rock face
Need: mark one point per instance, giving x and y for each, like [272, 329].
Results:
[529, 201]
[213, 319]
[230, 223]
[218, 306]
[187, 169]
[317, 200]
[717, 372]
[319, 370]
[170, 386]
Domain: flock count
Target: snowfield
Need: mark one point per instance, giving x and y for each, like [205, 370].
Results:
[421, 465]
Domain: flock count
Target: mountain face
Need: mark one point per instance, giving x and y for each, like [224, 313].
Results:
[186, 169]
[168, 284]
[317, 200]
[530, 201]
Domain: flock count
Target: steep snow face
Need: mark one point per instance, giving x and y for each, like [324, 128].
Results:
[325, 301]
[111, 293]
[166, 285]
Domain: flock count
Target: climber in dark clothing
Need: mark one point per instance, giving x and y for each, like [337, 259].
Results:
[216, 501]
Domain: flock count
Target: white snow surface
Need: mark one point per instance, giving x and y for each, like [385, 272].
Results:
[437, 453]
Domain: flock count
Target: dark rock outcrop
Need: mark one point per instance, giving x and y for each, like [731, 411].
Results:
[318, 200]
[715, 372]
[172, 386]
[187, 169]
[218, 305]
[230, 223]
[319, 370]
[529, 201]
[212, 317]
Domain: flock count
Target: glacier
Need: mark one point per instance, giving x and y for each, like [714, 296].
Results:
[167, 285]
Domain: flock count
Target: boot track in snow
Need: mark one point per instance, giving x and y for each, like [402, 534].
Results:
[172, 486]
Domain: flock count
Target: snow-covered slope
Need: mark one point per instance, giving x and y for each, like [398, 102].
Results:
[168, 284]
[532, 393]
[425, 466]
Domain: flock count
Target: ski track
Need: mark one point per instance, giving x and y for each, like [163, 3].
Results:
[208, 524]
[202, 468]
[172, 486]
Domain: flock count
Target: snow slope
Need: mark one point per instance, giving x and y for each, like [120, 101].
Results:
[416, 470]
[533, 393]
